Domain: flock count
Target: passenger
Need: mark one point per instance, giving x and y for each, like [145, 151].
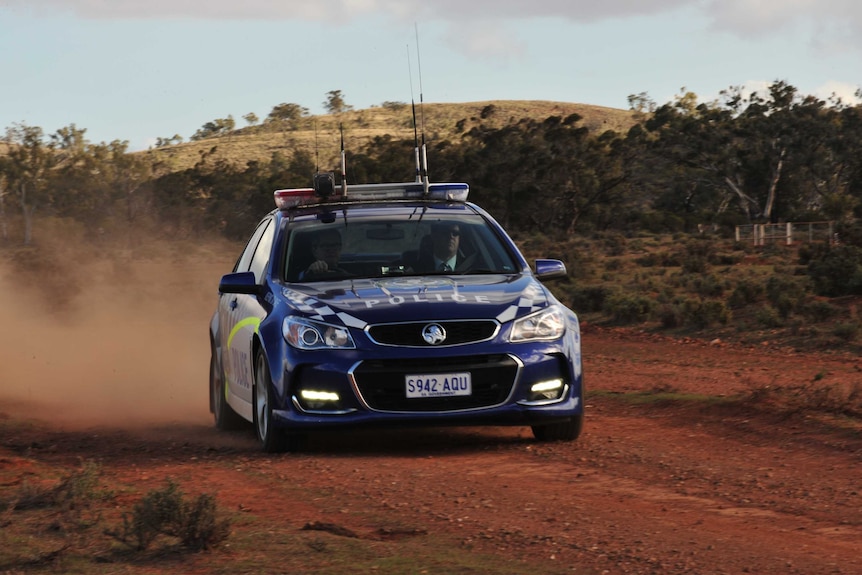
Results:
[445, 254]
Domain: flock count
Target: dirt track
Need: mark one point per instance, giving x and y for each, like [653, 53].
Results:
[647, 489]
[670, 487]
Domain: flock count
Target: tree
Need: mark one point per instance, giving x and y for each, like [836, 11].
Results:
[30, 161]
[251, 118]
[335, 103]
[219, 127]
[175, 139]
[4, 189]
[287, 112]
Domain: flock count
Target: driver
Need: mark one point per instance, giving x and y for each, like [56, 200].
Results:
[326, 250]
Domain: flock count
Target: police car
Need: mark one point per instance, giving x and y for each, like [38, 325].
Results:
[390, 304]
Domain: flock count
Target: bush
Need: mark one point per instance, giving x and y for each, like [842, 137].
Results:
[626, 308]
[704, 313]
[589, 299]
[746, 292]
[670, 316]
[785, 294]
[848, 331]
[696, 257]
[165, 512]
[818, 310]
[767, 317]
[708, 286]
[836, 271]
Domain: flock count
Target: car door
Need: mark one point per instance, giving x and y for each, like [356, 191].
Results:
[240, 315]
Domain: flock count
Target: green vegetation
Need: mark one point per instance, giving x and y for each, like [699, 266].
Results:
[63, 524]
[642, 205]
[166, 512]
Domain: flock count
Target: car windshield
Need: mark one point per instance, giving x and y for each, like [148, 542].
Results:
[370, 246]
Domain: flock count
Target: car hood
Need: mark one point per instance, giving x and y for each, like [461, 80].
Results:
[358, 303]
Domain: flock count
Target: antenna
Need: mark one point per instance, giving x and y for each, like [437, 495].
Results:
[424, 172]
[343, 163]
[413, 105]
[316, 150]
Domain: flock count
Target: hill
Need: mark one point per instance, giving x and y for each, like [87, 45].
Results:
[320, 135]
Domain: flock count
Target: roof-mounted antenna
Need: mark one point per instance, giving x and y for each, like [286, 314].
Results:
[415, 127]
[343, 164]
[316, 150]
[424, 170]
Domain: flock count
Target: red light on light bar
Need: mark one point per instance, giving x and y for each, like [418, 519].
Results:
[285, 199]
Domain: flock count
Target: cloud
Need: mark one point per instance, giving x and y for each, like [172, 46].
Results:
[833, 24]
[490, 41]
[827, 25]
[845, 91]
[344, 10]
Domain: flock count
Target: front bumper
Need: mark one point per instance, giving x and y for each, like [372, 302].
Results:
[371, 391]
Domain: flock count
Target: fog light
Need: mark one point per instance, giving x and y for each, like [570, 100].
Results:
[312, 395]
[314, 399]
[547, 390]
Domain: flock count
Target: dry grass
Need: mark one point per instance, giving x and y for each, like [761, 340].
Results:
[320, 134]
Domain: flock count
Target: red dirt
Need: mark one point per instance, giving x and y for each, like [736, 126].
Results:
[661, 487]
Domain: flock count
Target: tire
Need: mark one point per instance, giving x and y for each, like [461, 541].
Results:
[563, 431]
[271, 439]
[225, 417]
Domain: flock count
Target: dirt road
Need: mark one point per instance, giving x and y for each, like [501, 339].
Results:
[671, 484]
[657, 487]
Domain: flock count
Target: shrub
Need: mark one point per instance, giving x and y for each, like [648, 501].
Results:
[73, 497]
[696, 256]
[847, 331]
[785, 294]
[589, 298]
[670, 316]
[615, 244]
[708, 286]
[767, 317]
[626, 308]
[165, 512]
[648, 260]
[746, 292]
[837, 271]
[819, 310]
[704, 313]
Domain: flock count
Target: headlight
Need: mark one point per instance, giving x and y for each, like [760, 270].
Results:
[546, 324]
[309, 334]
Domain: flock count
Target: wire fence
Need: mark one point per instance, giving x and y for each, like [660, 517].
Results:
[789, 233]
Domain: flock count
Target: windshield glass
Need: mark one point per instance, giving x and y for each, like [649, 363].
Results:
[387, 245]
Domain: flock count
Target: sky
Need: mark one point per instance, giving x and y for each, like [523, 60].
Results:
[138, 70]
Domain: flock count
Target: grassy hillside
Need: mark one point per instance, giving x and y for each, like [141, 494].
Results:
[320, 135]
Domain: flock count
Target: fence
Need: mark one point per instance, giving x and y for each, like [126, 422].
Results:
[789, 233]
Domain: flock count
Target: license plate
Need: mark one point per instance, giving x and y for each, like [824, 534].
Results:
[438, 385]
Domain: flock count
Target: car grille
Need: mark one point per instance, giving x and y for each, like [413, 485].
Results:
[382, 383]
[410, 334]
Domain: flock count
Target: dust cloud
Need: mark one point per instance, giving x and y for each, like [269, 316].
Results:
[93, 335]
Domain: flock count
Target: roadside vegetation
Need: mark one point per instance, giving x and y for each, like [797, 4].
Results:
[644, 205]
[70, 522]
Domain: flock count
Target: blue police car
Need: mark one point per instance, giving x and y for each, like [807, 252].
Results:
[393, 304]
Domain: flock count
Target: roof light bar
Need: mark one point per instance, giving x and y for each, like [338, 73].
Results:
[450, 192]
[285, 199]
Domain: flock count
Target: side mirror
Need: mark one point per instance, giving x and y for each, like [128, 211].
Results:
[550, 269]
[242, 282]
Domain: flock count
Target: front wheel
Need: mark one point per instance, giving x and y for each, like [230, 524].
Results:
[564, 431]
[271, 439]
